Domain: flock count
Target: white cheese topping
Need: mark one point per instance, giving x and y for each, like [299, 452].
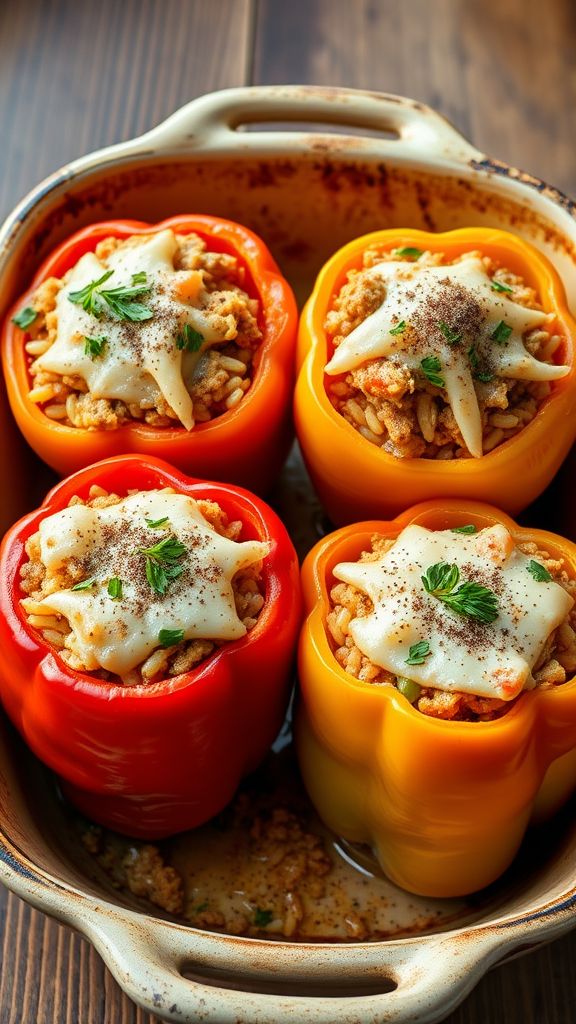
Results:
[489, 659]
[140, 361]
[118, 635]
[459, 297]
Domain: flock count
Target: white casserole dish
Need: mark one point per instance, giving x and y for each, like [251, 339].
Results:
[393, 162]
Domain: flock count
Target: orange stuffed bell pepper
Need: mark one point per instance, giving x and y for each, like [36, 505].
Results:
[434, 365]
[147, 628]
[439, 768]
[174, 340]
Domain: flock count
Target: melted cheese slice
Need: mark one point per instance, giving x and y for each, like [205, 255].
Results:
[140, 361]
[118, 635]
[458, 296]
[489, 659]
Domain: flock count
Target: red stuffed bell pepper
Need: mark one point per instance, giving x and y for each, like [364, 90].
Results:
[174, 340]
[161, 747]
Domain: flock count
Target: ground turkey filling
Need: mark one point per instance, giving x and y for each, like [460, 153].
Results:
[223, 374]
[247, 587]
[556, 664]
[406, 415]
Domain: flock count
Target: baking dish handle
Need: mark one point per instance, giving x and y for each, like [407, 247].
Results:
[215, 122]
[188, 979]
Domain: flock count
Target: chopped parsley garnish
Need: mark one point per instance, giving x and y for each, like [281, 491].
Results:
[483, 375]
[94, 347]
[409, 252]
[452, 337]
[418, 653]
[262, 917]
[498, 286]
[188, 339]
[467, 528]
[115, 588]
[473, 357]
[170, 637]
[538, 572]
[399, 329]
[470, 599]
[85, 584]
[431, 367]
[119, 301]
[161, 563]
[155, 523]
[501, 333]
[25, 317]
[200, 907]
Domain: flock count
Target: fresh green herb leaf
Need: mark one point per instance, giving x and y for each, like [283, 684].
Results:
[498, 286]
[473, 357]
[87, 297]
[440, 579]
[468, 528]
[155, 523]
[431, 367]
[399, 329]
[25, 317]
[408, 687]
[118, 301]
[470, 599]
[85, 584]
[200, 907]
[170, 637]
[408, 252]
[170, 549]
[262, 918]
[115, 588]
[501, 333]
[161, 563]
[539, 572]
[94, 347]
[483, 375]
[188, 339]
[418, 653]
[452, 337]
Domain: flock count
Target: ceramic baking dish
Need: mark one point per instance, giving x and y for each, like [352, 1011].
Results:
[308, 169]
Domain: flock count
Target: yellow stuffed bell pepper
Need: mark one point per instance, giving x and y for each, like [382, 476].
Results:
[359, 474]
[443, 804]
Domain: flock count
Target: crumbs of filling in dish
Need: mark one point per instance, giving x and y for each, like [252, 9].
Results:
[247, 587]
[556, 664]
[407, 416]
[221, 379]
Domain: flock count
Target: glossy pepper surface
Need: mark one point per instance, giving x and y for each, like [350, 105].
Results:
[245, 445]
[443, 804]
[354, 478]
[151, 760]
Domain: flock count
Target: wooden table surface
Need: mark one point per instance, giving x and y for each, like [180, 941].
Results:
[76, 75]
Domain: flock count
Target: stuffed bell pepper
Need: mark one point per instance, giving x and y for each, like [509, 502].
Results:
[174, 340]
[147, 630]
[438, 698]
[435, 365]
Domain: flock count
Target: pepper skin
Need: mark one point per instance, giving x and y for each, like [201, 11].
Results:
[443, 804]
[246, 445]
[357, 480]
[152, 760]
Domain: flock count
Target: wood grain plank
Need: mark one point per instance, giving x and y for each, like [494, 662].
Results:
[500, 71]
[77, 76]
